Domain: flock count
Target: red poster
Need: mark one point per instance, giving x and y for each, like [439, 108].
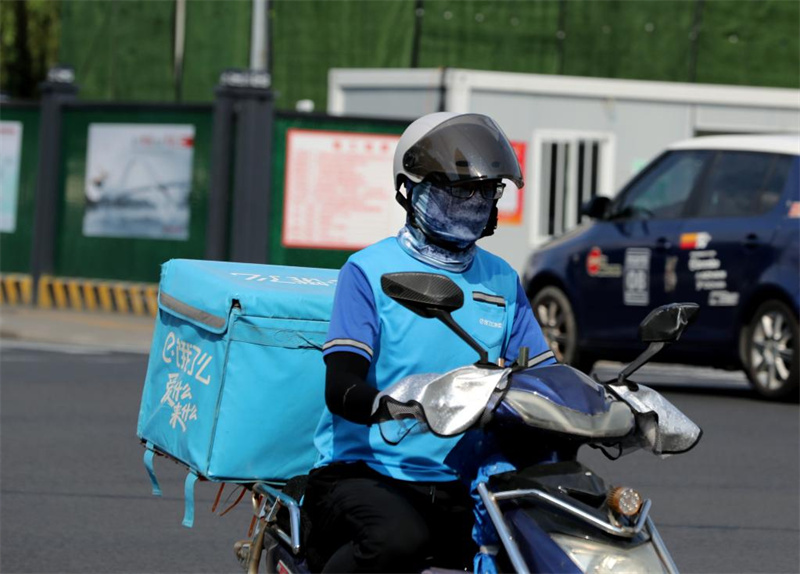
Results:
[511, 205]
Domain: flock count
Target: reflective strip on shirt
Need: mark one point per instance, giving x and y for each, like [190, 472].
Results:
[540, 358]
[486, 298]
[348, 343]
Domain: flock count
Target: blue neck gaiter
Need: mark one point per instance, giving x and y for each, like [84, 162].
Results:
[447, 219]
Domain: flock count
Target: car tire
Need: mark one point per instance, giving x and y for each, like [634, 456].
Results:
[553, 311]
[771, 351]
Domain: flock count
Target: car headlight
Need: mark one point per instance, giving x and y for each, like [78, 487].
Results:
[598, 558]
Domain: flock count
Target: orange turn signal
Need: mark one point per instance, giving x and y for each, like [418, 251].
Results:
[624, 500]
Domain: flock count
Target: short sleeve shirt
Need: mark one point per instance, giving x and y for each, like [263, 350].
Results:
[399, 343]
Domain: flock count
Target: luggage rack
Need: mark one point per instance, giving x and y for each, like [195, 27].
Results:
[274, 499]
[265, 512]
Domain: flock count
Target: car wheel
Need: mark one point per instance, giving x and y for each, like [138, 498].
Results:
[553, 311]
[771, 357]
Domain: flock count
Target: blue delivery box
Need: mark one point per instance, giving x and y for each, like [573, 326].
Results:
[235, 379]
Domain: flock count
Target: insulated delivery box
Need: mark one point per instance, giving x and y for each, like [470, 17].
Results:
[235, 379]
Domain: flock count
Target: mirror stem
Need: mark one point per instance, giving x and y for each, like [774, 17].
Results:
[447, 319]
[639, 361]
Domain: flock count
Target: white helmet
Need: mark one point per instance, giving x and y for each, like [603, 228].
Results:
[455, 148]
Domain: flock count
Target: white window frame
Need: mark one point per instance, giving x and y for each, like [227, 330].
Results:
[605, 174]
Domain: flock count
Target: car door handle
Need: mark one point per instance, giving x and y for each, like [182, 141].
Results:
[751, 241]
[662, 244]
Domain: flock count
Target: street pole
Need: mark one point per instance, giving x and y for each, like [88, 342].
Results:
[238, 224]
[259, 35]
[59, 89]
[180, 44]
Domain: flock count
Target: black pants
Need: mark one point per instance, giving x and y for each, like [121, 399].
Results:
[363, 521]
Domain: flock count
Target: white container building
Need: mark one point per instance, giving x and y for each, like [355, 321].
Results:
[577, 137]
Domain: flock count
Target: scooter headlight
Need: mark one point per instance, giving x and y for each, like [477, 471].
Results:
[624, 501]
[598, 558]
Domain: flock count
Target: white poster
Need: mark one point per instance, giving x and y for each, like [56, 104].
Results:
[339, 192]
[10, 155]
[138, 180]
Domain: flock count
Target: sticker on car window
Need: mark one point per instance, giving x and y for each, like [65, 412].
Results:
[636, 284]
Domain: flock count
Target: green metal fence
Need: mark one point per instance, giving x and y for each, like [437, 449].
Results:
[15, 247]
[125, 258]
[139, 259]
[721, 42]
[279, 254]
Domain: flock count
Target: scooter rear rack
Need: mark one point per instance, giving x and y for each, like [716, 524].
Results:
[280, 498]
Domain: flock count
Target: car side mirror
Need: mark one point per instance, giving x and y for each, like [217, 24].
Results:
[430, 295]
[596, 208]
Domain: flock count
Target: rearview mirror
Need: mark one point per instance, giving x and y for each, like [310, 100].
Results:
[662, 325]
[423, 293]
[667, 323]
[430, 295]
[596, 208]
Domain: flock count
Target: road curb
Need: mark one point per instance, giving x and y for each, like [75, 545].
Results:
[79, 294]
[16, 289]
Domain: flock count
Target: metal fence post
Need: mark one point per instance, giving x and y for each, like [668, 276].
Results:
[247, 224]
[58, 89]
[219, 193]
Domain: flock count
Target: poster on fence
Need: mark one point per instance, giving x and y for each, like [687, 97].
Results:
[138, 181]
[10, 156]
[338, 191]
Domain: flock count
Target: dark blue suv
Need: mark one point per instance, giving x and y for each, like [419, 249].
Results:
[713, 220]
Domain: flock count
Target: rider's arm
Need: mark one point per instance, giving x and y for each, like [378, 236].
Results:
[347, 393]
[352, 335]
[525, 332]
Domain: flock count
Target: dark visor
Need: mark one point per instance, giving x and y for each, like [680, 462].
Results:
[466, 148]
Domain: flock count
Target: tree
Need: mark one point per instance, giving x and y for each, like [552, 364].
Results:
[29, 44]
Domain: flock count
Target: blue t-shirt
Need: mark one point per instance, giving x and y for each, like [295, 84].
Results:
[398, 343]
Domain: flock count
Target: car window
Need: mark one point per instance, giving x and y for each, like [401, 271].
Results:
[742, 184]
[662, 191]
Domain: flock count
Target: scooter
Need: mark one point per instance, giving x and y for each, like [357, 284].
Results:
[538, 509]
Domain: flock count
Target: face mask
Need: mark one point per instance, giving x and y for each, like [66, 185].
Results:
[416, 244]
[448, 219]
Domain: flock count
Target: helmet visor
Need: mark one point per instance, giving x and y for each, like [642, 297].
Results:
[468, 147]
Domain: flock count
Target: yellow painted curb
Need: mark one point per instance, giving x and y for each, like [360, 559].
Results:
[16, 289]
[80, 294]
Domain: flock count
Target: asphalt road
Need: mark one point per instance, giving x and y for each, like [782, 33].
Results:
[75, 496]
